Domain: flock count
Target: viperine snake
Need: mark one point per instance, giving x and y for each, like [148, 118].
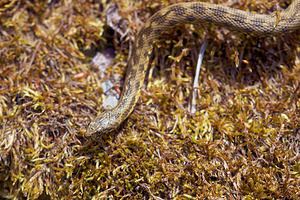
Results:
[182, 13]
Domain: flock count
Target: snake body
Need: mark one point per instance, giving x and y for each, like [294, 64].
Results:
[182, 13]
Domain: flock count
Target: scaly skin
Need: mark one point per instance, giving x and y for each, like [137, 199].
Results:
[182, 13]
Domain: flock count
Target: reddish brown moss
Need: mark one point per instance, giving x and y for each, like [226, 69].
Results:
[241, 142]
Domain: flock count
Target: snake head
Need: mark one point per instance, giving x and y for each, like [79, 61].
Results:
[103, 123]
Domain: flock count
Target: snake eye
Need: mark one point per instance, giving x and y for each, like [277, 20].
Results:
[103, 123]
[92, 129]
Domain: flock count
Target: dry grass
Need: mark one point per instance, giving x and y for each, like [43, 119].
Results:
[243, 143]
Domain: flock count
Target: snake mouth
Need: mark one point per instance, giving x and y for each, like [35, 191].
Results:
[103, 123]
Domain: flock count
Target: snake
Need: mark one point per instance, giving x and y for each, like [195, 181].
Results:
[185, 13]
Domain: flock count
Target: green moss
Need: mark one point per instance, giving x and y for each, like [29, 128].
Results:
[241, 142]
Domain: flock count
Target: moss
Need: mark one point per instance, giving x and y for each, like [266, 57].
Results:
[241, 142]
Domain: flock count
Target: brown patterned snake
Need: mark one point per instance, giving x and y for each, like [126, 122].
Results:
[181, 13]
